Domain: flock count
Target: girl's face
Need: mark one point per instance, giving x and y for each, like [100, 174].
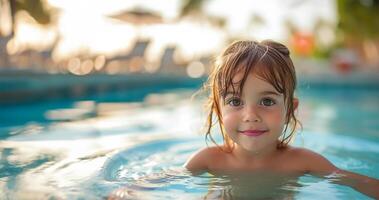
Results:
[255, 119]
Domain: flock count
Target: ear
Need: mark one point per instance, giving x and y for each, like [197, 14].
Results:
[295, 103]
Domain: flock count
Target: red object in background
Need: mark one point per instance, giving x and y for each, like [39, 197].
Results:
[343, 67]
[303, 43]
[344, 60]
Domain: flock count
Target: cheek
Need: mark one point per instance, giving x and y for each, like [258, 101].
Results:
[230, 118]
[277, 117]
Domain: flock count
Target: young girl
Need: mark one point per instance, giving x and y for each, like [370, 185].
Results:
[252, 100]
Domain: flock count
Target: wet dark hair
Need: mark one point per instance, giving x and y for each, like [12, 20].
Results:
[270, 61]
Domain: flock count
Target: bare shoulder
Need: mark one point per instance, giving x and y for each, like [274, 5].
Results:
[202, 159]
[310, 161]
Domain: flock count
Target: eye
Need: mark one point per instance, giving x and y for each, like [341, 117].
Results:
[267, 102]
[234, 101]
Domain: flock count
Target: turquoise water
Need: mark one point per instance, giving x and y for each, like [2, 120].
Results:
[88, 149]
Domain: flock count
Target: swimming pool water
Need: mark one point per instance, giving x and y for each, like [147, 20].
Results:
[89, 149]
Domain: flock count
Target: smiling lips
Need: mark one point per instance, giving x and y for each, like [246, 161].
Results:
[253, 133]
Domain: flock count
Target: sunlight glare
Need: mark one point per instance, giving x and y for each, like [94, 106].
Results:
[195, 69]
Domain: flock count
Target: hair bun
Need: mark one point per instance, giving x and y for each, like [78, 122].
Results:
[281, 48]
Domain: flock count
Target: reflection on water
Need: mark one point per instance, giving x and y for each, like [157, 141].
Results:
[81, 110]
[136, 149]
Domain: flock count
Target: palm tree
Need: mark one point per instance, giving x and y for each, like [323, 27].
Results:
[35, 8]
[358, 27]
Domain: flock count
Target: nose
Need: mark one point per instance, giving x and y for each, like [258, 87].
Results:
[250, 114]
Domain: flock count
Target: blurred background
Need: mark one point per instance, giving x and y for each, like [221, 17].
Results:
[81, 80]
[96, 39]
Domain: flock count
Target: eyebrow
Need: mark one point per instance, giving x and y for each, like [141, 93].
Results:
[266, 92]
[270, 92]
[231, 93]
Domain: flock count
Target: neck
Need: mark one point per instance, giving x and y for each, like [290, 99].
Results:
[262, 155]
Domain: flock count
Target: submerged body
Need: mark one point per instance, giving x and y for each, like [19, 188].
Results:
[261, 184]
[264, 177]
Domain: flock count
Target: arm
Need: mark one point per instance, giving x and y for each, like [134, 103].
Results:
[364, 184]
[319, 166]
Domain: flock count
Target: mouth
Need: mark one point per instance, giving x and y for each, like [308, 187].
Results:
[253, 133]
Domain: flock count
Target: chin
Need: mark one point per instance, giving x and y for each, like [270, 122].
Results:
[251, 147]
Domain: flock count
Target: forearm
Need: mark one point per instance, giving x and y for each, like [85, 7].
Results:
[361, 183]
